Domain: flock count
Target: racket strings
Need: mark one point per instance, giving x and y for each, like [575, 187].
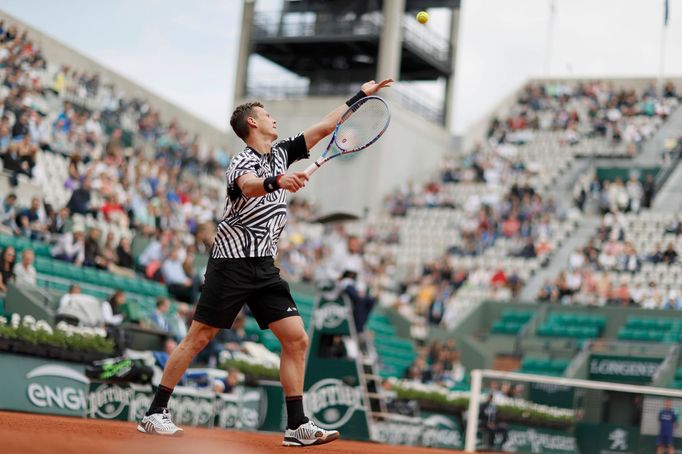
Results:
[363, 125]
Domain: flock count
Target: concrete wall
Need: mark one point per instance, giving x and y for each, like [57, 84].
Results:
[411, 148]
[58, 53]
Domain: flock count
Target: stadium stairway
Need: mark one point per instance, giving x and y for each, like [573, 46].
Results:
[586, 229]
[651, 151]
[668, 198]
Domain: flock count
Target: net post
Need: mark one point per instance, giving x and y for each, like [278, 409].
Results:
[472, 413]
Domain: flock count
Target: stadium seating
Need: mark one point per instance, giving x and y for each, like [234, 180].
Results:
[642, 231]
[511, 322]
[574, 325]
[543, 366]
[650, 329]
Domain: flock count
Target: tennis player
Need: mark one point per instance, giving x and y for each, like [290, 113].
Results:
[241, 268]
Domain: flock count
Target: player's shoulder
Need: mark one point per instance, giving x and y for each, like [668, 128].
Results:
[283, 143]
[242, 157]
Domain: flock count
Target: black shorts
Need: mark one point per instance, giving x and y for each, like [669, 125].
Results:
[231, 283]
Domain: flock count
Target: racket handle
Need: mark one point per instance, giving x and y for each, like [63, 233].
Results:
[312, 168]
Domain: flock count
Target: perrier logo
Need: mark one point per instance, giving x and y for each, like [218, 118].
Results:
[330, 315]
[331, 403]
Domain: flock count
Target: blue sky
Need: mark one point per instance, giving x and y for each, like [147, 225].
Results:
[188, 55]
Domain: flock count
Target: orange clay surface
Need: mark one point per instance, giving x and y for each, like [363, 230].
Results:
[32, 433]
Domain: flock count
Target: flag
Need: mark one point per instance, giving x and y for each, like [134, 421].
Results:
[666, 12]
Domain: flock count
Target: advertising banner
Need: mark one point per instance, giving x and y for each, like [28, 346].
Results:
[39, 385]
[606, 438]
[623, 369]
[333, 396]
[539, 441]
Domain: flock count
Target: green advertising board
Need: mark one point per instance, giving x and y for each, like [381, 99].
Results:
[441, 431]
[404, 431]
[334, 398]
[539, 441]
[39, 385]
[606, 438]
[275, 412]
[623, 369]
[109, 401]
[227, 411]
[551, 394]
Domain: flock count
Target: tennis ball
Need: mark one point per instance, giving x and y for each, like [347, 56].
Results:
[422, 17]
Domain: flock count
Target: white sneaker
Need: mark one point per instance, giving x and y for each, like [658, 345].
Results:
[159, 424]
[309, 434]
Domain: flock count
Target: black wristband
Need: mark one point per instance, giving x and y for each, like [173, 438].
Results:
[357, 97]
[270, 184]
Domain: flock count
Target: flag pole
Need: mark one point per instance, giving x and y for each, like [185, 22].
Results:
[661, 62]
[550, 35]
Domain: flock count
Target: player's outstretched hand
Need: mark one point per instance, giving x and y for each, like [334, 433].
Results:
[293, 182]
[372, 87]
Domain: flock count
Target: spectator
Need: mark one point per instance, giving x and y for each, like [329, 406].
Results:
[528, 250]
[8, 212]
[179, 284]
[57, 221]
[489, 422]
[71, 247]
[649, 191]
[112, 310]
[226, 340]
[93, 252]
[7, 260]
[32, 222]
[178, 322]
[657, 255]
[158, 317]
[636, 193]
[670, 255]
[80, 201]
[82, 309]
[124, 255]
[24, 272]
[156, 250]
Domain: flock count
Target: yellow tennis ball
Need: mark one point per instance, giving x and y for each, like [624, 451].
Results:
[422, 17]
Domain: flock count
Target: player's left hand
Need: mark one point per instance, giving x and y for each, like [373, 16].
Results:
[371, 87]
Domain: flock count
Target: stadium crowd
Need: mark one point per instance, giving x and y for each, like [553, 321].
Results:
[589, 277]
[127, 170]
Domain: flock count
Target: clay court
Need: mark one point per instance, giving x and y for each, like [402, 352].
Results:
[39, 434]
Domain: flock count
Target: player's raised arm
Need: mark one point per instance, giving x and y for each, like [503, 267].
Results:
[326, 126]
[253, 186]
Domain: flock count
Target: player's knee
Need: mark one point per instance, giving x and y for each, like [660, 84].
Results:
[300, 343]
[199, 340]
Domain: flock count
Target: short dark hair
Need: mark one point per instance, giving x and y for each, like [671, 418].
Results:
[239, 116]
[161, 301]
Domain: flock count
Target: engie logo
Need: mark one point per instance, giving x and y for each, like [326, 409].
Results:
[330, 315]
[332, 403]
[64, 389]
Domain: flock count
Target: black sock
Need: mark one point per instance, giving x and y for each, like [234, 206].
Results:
[160, 401]
[295, 415]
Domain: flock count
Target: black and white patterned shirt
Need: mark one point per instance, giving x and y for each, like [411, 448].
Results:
[251, 226]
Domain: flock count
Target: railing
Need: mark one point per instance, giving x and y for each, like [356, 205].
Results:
[666, 371]
[276, 24]
[410, 98]
[269, 24]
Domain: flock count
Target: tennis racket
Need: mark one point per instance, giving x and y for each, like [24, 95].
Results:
[359, 127]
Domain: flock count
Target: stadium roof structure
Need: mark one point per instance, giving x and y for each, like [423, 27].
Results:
[336, 45]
